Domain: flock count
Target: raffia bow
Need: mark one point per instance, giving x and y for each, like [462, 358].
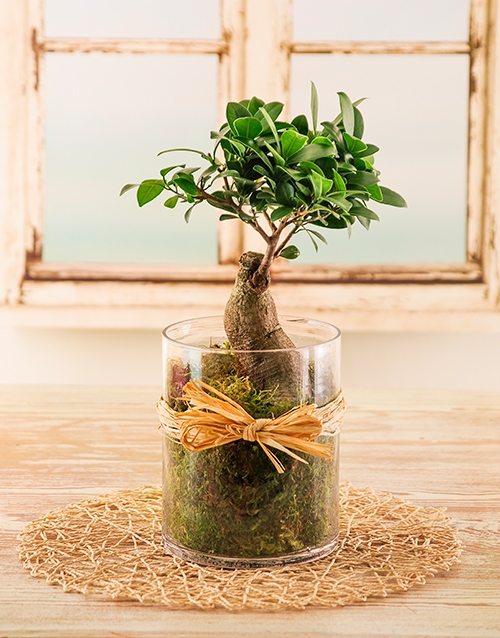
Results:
[213, 421]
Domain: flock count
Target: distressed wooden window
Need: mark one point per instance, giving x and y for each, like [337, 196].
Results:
[254, 49]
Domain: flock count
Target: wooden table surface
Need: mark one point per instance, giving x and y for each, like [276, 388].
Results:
[62, 444]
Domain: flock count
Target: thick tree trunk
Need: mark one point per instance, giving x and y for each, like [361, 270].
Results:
[251, 323]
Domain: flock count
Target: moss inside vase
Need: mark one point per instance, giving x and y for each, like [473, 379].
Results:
[230, 500]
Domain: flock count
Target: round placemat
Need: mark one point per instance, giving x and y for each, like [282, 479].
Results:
[111, 545]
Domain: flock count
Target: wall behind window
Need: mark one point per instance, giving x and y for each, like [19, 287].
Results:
[133, 357]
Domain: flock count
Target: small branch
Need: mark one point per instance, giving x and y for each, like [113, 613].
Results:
[255, 224]
[261, 279]
[225, 203]
[286, 240]
[222, 202]
[272, 226]
[226, 183]
[228, 188]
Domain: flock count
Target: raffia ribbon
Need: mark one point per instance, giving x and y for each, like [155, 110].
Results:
[210, 422]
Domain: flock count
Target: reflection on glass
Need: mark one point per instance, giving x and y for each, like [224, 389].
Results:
[107, 117]
[429, 20]
[132, 18]
[416, 112]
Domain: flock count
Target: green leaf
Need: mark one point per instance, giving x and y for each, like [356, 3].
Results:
[310, 152]
[327, 165]
[348, 223]
[362, 164]
[248, 127]
[261, 170]
[283, 126]
[273, 109]
[339, 202]
[232, 146]
[227, 173]
[332, 129]
[280, 212]
[294, 173]
[330, 221]
[254, 105]
[321, 139]
[244, 217]
[301, 124]
[291, 142]
[362, 178]
[354, 145]
[165, 171]
[148, 190]
[358, 102]
[208, 171]
[371, 149]
[280, 161]
[244, 180]
[186, 182]
[345, 167]
[365, 222]
[187, 214]
[361, 211]
[303, 189]
[347, 111]
[314, 107]
[235, 111]
[270, 124]
[307, 167]
[171, 201]
[316, 234]
[290, 252]
[128, 187]
[285, 194]
[321, 185]
[392, 198]
[189, 170]
[313, 241]
[221, 205]
[226, 216]
[188, 150]
[258, 151]
[339, 183]
[359, 126]
[221, 195]
[315, 180]
[375, 192]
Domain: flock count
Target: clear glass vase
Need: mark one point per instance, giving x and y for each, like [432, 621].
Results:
[229, 506]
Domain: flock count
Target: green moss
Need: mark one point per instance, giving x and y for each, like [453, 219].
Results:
[231, 501]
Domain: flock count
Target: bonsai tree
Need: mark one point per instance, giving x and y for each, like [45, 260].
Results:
[281, 178]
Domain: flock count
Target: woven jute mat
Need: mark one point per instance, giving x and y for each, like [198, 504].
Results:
[111, 546]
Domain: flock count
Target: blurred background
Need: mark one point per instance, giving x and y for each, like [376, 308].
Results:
[108, 115]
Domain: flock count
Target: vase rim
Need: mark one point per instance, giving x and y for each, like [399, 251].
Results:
[334, 331]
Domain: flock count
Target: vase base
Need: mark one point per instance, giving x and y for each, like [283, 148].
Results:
[231, 562]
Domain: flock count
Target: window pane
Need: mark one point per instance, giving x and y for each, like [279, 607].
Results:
[132, 18]
[107, 117]
[381, 20]
[417, 114]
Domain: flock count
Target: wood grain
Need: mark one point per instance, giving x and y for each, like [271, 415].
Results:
[62, 444]
[131, 45]
[283, 271]
[382, 47]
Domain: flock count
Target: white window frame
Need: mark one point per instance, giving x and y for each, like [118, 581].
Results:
[455, 297]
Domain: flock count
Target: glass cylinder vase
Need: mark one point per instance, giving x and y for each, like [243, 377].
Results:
[242, 501]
